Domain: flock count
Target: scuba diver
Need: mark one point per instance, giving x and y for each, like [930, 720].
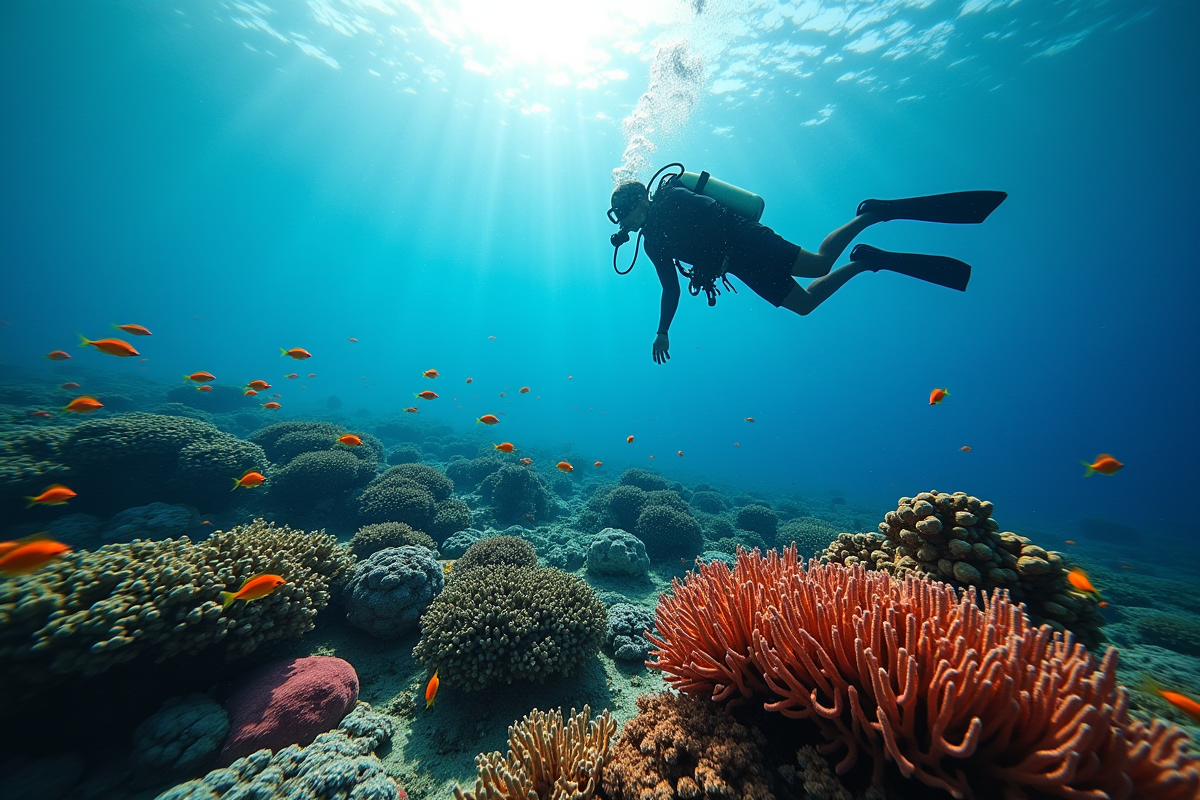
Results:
[713, 226]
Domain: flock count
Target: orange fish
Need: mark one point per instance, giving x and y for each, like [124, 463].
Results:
[966, 448]
[70, 385]
[249, 393]
[113, 347]
[249, 480]
[1181, 701]
[1104, 464]
[203, 388]
[629, 439]
[1079, 579]
[351, 339]
[488, 419]
[312, 374]
[470, 379]
[679, 453]
[504, 447]
[411, 409]
[254, 588]
[598, 464]
[523, 390]
[350, 439]
[8, 547]
[41, 414]
[426, 395]
[56, 495]
[293, 376]
[25, 558]
[84, 405]
[563, 466]
[200, 377]
[272, 404]
[431, 689]
[298, 353]
[1071, 542]
[136, 330]
[938, 395]
[749, 419]
[259, 386]
[58, 355]
[526, 461]
[430, 373]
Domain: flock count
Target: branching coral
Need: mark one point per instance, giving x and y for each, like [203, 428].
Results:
[956, 692]
[548, 757]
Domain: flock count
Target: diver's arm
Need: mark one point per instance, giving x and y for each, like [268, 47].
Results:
[666, 310]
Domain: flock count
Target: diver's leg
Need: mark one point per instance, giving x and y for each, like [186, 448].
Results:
[803, 299]
[818, 264]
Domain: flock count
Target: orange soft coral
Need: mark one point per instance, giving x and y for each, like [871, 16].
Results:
[956, 693]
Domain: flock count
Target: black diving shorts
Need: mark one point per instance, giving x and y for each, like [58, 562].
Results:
[762, 259]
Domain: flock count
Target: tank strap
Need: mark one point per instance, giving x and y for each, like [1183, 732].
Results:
[701, 182]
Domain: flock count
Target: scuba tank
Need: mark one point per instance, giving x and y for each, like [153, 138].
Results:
[738, 200]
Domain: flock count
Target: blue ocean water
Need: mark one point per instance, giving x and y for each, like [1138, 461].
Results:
[425, 176]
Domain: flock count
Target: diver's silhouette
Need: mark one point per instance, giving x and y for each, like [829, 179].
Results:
[683, 222]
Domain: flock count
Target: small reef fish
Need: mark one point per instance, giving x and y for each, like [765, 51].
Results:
[298, 353]
[449, 565]
[203, 388]
[58, 355]
[200, 377]
[526, 461]
[629, 440]
[737, 444]
[136, 330]
[350, 439]
[56, 495]
[492, 338]
[1079, 579]
[250, 479]
[351, 339]
[749, 419]
[598, 464]
[1070, 542]
[488, 419]
[430, 373]
[312, 374]
[1181, 701]
[938, 395]
[412, 410]
[8, 547]
[679, 453]
[272, 404]
[249, 393]
[112, 347]
[432, 687]
[259, 386]
[1104, 464]
[504, 447]
[40, 413]
[84, 405]
[254, 588]
[469, 380]
[570, 377]
[293, 376]
[25, 558]
[276, 395]
[426, 395]
[523, 390]
[966, 448]
[502, 394]
[563, 466]
[69, 385]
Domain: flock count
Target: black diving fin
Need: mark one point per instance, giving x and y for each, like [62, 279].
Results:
[942, 270]
[961, 208]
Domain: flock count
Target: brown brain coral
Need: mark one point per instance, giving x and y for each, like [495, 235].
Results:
[91, 610]
[548, 757]
[686, 747]
[953, 538]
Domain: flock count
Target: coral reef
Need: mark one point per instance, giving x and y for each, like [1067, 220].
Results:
[1172, 631]
[457, 543]
[497, 624]
[183, 736]
[89, 611]
[686, 747]
[404, 454]
[667, 532]
[959, 692]
[811, 535]
[760, 519]
[450, 517]
[388, 592]
[469, 472]
[708, 502]
[372, 538]
[548, 757]
[288, 702]
[617, 552]
[338, 765]
[30, 460]
[396, 501]
[437, 484]
[815, 777]
[319, 475]
[620, 506]
[510, 551]
[953, 538]
[644, 479]
[625, 637]
[153, 521]
[514, 492]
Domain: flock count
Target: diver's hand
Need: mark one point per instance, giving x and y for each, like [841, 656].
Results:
[661, 346]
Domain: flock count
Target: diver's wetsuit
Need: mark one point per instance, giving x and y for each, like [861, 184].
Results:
[697, 230]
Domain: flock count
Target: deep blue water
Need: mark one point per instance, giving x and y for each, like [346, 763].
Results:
[174, 166]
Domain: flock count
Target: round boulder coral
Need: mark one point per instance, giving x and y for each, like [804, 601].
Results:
[515, 492]
[153, 521]
[450, 517]
[372, 538]
[457, 544]
[668, 532]
[182, 736]
[497, 624]
[424, 475]
[617, 552]
[320, 475]
[625, 636]
[388, 592]
[511, 551]
[644, 480]
[709, 502]
[467, 473]
[758, 518]
[404, 454]
[396, 501]
[624, 504]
